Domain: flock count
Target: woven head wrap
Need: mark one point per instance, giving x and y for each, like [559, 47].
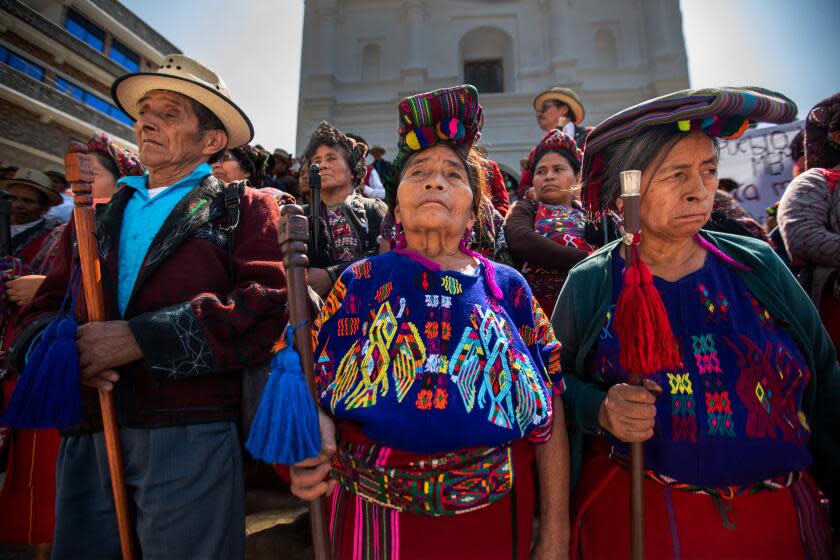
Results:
[822, 134]
[555, 141]
[252, 160]
[722, 112]
[328, 135]
[449, 115]
[125, 162]
[641, 321]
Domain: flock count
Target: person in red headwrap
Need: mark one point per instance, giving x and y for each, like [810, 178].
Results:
[738, 407]
[554, 164]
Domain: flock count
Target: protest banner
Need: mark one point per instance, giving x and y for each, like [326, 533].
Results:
[759, 161]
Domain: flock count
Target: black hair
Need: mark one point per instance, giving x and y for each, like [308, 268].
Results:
[207, 121]
[108, 164]
[573, 162]
[476, 175]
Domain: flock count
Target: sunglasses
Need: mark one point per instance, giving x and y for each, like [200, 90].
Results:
[547, 105]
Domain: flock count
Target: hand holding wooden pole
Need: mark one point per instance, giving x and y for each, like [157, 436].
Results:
[79, 172]
[293, 234]
[630, 194]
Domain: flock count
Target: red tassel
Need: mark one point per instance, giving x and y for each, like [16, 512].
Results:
[644, 332]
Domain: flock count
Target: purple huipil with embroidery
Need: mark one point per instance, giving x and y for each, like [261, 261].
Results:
[731, 413]
[428, 362]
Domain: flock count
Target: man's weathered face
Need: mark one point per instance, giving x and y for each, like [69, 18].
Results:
[27, 204]
[167, 130]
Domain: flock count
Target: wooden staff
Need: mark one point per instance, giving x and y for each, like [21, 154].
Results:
[79, 171]
[293, 235]
[5, 224]
[631, 182]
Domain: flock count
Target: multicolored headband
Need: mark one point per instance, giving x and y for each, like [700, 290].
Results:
[449, 115]
[555, 141]
[127, 163]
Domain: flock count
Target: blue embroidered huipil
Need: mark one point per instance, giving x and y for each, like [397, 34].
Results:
[731, 413]
[142, 219]
[428, 362]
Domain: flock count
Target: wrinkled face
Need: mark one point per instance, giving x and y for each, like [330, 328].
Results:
[550, 114]
[554, 179]
[335, 172]
[27, 204]
[435, 193]
[227, 169]
[167, 131]
[677, 195]
[104, 183]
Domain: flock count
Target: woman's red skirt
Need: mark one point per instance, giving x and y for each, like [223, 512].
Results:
[27, 501]
[767, 524]
[500, 530]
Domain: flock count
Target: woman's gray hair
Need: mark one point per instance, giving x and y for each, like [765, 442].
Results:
[638, 152]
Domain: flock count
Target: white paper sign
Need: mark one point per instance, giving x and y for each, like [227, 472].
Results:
[759, 161]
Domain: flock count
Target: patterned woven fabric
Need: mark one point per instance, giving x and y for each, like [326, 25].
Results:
[731, 414]
[446, 484]
[555, 141]
[450, 115]
[715, 107]
[722, 112]
[126, 162]
[405, 353]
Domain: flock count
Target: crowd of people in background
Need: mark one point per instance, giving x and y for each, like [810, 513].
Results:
[435, 272]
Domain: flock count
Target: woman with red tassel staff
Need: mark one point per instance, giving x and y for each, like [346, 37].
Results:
[745, 428]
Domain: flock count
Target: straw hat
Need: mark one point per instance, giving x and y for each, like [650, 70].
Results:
[563, 95]
[184, 75]
[34, 179]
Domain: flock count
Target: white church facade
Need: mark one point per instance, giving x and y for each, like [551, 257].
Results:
[360, 57]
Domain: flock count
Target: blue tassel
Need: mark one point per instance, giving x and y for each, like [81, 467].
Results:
[285, 429]
[48, 392]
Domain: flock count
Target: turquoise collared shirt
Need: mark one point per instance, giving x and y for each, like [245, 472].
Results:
[142, 220]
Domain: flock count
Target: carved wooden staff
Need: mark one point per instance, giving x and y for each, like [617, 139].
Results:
[79, 171]
[631, 182]
[293, 235]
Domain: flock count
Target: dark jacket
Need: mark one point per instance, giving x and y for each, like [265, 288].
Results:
[365, 216]
[201, 310]
[587, 295]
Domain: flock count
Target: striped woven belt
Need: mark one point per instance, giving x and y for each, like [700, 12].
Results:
[445, 484]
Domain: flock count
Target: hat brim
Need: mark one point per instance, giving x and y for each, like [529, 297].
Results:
[129, 89]
[53, 197]
[573, 103]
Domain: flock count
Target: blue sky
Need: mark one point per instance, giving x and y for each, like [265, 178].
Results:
[788, 45]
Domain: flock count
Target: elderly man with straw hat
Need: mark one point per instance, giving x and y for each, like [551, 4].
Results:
[194, 291]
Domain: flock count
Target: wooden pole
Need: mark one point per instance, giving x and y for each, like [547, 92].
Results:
[631, 186]
[79, 172]
[293, 235]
